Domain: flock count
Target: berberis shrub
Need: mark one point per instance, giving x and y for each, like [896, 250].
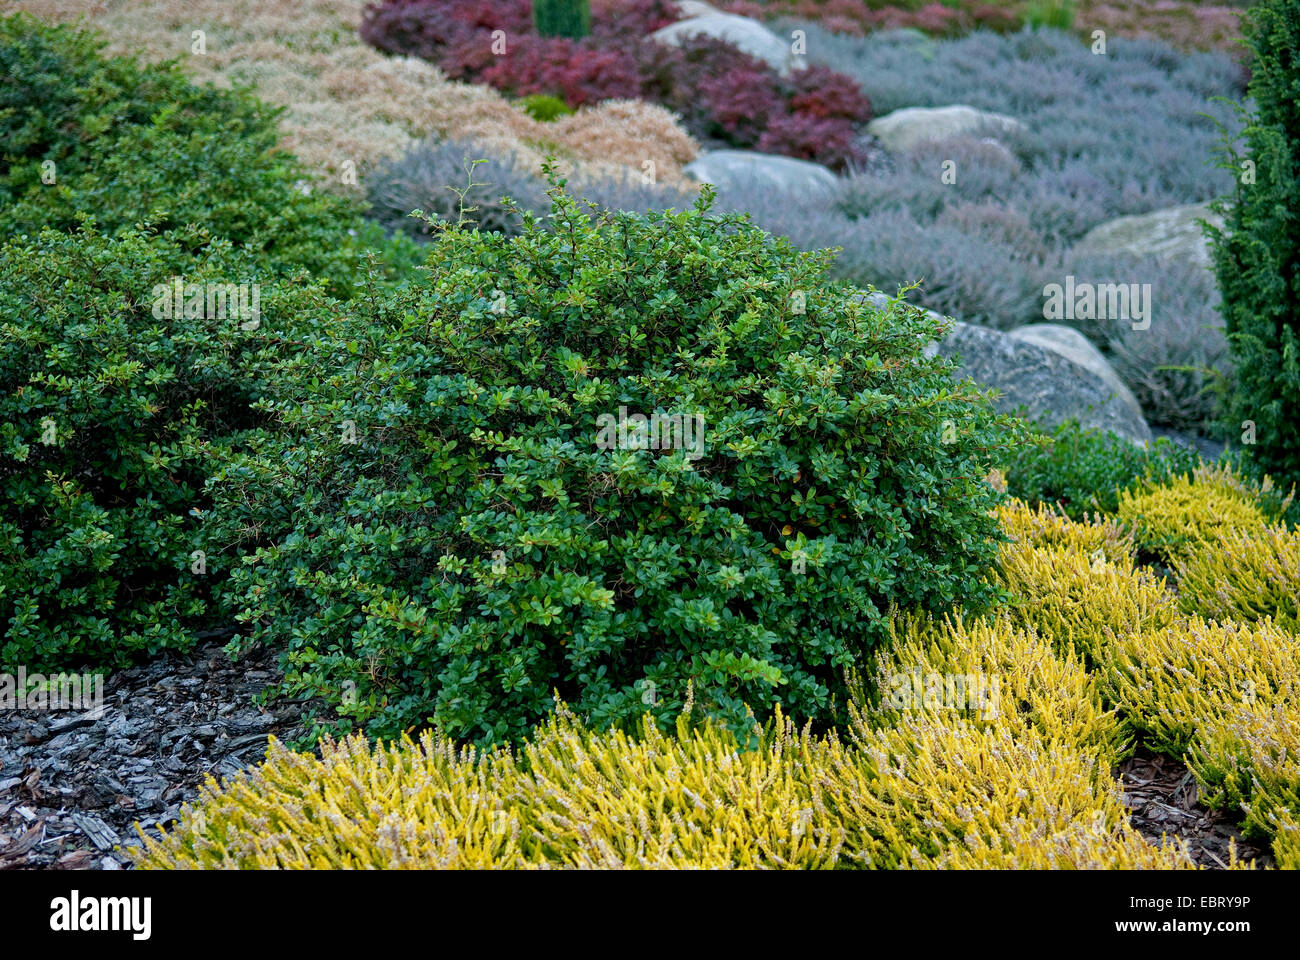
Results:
[117, 179]
[443, 532]
[105, 412]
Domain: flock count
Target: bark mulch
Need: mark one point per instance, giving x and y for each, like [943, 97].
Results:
[1161, 795]
[72, 786]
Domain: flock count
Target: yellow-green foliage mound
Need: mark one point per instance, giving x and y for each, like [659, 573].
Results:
[975, 743]
[993, 672]
[961, 795]
[1077, 584]
[571, 799]
[348, 103]
[1249, 758]
[1042, 526]
[1172, 682]
[1189, 511]
[920, 795]
[1286, 843]
[1208, 670]
[917, 785]
[1248, 575]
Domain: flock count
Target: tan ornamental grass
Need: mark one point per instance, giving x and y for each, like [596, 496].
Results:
[348, 106]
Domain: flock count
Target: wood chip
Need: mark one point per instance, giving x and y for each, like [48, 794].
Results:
[100, 833]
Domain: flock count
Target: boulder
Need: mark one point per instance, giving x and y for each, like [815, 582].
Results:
[695, 8]
[986, 151]
[1170, 234]
[1036, 372]
[907, 128]
[1074, 345]
[748, 35]
[739, 169]
[1048, 384]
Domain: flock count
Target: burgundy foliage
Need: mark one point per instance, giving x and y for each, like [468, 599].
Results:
[722, 94]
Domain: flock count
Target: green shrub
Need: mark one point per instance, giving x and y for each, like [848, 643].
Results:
[544, 107]
[124, 142]
[1082, 471]
[562, 18]
[105, 416]
[112, 415]
[474, 550]
[1257, 253]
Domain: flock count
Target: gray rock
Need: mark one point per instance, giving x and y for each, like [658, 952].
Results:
[695, 8]
[1030, 373]
[907, 128]
[741, 169]
[1170, 234]
[746, 34]
[1049, 385]
[1074, 345]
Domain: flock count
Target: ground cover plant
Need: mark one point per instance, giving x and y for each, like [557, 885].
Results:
[859, 17]
[348, 107]
[1015, 777]
[1185, 24]
[720, 92]
[449, 181]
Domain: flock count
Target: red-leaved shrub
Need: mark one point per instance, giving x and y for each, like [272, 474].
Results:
[569, 69]
[721, 93]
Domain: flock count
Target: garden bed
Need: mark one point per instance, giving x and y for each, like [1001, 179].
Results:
[608, 535]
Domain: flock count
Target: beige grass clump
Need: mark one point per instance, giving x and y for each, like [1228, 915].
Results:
[628, 133]
[348, 103]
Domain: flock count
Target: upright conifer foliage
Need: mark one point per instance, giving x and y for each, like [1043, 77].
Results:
[1257, 253]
